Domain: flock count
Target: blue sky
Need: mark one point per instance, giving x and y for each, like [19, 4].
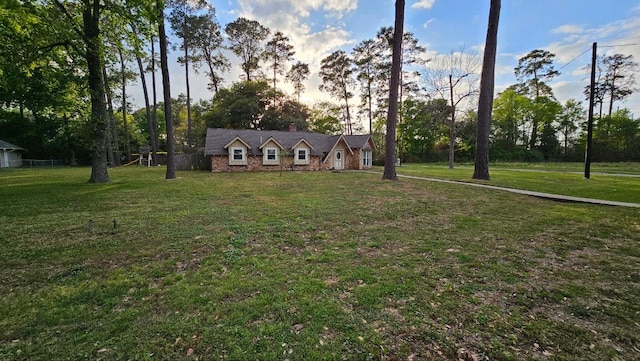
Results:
[564, 27]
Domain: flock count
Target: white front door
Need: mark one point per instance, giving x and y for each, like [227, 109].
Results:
[338, 159]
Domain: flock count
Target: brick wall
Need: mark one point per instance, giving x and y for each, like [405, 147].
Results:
[220, 163]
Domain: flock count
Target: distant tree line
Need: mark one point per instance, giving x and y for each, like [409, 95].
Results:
[65, 89]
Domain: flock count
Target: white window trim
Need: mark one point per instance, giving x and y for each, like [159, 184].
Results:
[265, 155]
[233, 161]
[366, 158]
[296, 153]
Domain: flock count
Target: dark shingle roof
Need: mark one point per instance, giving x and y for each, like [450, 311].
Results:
[8, 146]
[217, 138]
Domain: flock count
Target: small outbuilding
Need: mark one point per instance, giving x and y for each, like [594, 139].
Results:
[10, 155]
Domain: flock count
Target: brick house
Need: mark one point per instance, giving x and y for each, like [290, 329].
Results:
[270, 150]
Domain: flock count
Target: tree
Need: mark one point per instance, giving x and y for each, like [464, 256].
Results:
[166, 90]
[533, 70]
[282, 117]
[366, 59]
[325, 118]
[297, 75]
[392, 115]
[125, 75]
[337, 79]
[511, 111]
[569, 120]
[151, 128]
[619, 77]
[208, 40]
[43, 93]
[454, 77]
[240, 107]
[185, 22]
[246, 38]
[421, 127]
[90, 32]
[485, 101]
[277, 52]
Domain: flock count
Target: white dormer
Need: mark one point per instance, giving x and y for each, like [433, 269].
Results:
[237, 149]
[271, 150]
[301, 152]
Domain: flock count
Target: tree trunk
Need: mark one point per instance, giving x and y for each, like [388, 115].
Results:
[147, 106]
[370, 106]
[485, 101]
[114, 151]
[214, 81]
[452, 129]
[392, 114]
[186, 74]
[154, 119]
[91, 29]
[166, 89]
[145, 92]
[127, 141]
[612, 90]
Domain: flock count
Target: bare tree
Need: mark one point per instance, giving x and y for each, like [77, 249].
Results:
[454, 77]
[485, 101]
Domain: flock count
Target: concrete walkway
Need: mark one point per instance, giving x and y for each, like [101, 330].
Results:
[556, 197]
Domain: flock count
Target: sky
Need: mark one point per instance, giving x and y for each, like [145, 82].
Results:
[316, 28]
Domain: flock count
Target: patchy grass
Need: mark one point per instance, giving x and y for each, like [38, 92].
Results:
[556, 178]
[308, 266]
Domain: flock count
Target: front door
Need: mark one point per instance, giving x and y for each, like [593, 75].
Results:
[338, 159]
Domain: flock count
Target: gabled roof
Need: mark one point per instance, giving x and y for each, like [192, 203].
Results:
[302, 141]
[239, 140]
[8, 146]
[360, 141]
[271, 139]
[219, 139]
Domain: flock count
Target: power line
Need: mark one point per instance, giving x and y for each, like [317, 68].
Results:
[599, 46]
[574, 59]
[615, 46]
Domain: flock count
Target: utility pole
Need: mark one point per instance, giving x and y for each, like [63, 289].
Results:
[587, 157]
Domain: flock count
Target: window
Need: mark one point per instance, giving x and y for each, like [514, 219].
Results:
[301, 156]
[270, 156]
[237, 156]
[366, 158]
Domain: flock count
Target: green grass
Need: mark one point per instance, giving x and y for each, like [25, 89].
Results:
[557, 178]
[308, 266]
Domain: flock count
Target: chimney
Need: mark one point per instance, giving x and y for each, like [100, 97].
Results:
[292, 127]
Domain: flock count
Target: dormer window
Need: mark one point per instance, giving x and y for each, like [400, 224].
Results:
[237, 156]
[270, 156]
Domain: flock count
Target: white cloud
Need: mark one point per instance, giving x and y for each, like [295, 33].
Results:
[428, 22]
[423, 4]
[568, 29]
[301, 8]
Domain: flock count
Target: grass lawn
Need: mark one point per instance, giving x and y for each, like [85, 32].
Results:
[313, 266]
[557, 178]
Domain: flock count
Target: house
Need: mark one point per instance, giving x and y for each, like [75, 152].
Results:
[265, 150]
[10, 155]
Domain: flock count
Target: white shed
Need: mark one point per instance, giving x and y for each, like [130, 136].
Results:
[10, 155]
